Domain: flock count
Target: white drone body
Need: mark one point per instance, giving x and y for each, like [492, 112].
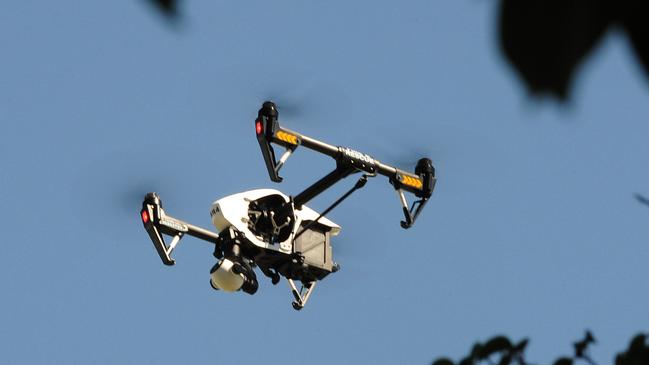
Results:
[232, 211]
[289, 244]
[277, 233]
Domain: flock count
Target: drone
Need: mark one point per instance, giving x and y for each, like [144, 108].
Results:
[278, 233]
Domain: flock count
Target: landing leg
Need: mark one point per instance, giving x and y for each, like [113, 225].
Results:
[302, 295]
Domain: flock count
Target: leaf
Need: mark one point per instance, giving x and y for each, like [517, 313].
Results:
[564, 361]
[467, 361]
[443, 361]
[638, 343]
[546, 40]
[634, 21]
[168, 8]
[494, 345]
[642, 199]
[637, 354]
[582, 346]
[520, 347]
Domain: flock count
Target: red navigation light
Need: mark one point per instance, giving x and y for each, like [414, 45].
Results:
[258, 127]
[145, 216]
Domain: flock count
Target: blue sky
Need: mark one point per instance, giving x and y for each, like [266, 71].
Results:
[532, 230]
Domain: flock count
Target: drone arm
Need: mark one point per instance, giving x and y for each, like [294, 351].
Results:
[157, 224]
[421, 184]
[348, 161]
[321, 185]
[269, 131]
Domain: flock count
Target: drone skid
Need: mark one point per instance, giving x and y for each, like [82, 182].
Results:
[302, 295]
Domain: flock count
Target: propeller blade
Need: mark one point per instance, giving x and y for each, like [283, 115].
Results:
[406, 158]
[129, 198]
[311, 103]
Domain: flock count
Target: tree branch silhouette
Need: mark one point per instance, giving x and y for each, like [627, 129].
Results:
[497, 350]
[500, 350]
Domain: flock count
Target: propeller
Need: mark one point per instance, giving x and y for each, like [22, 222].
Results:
[309, 103]
[406, 158]
[118, 194]
[130, 196]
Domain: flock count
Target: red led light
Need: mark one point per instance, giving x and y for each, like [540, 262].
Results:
[258, 127]
[145, 216]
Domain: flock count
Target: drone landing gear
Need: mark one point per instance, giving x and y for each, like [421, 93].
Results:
[302, 295]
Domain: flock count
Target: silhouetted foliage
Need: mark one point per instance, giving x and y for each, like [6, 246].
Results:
[546, 40]
[581, 348]
[443, 361]
[642, 199]
[168, 8]
[564, 361]
[637, 354]
[581, 351]
[500, 348]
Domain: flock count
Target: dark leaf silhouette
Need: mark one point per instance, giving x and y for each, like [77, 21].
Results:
[642, 199]
[520, 347]
[564, 361]
[168, 8]
[547, 40]
[485, 353]
[505, 360]
[467, 361]
[515, 353]
[443, 361]
[635, 23]
[582, 346]
[476, 351]
[495, 345]
[638, 343]
[637, 354]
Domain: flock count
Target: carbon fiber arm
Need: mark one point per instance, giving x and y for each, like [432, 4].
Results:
[157, 224]
[420, 183]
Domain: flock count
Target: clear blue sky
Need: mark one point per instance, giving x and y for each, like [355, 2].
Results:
[532, 231]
